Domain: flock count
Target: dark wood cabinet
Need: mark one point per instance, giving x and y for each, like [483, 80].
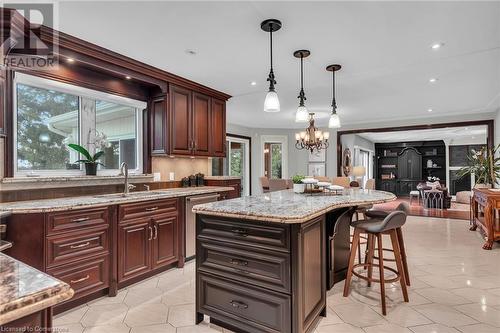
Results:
[134, 248]
[234, 183]
[180, 127]
[3, 95]
[202, 125]
[258, 276]
[185, 122]
[150, 237]
[158, 125]
[165, 242]
[218, 131]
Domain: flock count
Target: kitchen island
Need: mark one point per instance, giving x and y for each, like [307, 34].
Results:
[27, 297]
[265, 262]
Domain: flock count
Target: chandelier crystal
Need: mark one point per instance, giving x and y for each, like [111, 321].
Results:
[312, 138]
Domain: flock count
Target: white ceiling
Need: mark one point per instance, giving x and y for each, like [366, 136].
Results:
[451, 135]
[384, 48]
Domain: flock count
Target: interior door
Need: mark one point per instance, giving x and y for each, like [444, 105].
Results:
[180, 121]
[164, 240]
[201, 124]
[134, 248]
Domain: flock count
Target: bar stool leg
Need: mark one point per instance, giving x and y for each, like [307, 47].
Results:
[399, 263]
[369, 260]
[352, 257]
[381, 272]
[401, 242]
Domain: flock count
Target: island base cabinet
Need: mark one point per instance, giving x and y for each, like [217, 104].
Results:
[237, 294]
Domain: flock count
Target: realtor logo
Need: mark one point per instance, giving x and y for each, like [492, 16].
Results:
[21, 30]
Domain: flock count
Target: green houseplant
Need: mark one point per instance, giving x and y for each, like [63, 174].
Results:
[298, 186]
[484, 164]
[90, 161]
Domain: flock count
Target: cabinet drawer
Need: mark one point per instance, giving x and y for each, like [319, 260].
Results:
[264, 268]
[139, 209]
[78, 219]
[68, 247]
[258, 235]
[251, 309]
[84, 277]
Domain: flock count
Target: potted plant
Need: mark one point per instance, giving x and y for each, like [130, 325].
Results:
[90, 161]
[298, 186]
[485, 165]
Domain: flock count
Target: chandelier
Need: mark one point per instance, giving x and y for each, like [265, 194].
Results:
[312, 138]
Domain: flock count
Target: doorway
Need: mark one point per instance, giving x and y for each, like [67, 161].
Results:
[274, 156]
[237, 161]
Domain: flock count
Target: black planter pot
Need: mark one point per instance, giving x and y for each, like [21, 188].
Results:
[91, 169]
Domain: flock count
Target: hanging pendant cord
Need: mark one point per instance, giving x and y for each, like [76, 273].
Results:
[334, 106]
[271, 44]
[301, 71]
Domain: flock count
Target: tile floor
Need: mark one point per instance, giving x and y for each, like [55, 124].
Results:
[455, 288]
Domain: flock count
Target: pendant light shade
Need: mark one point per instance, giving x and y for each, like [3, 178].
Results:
[302, 114]
[334, 121]
[271, 103]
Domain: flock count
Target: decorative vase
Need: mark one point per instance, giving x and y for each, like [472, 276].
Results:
[299, 188]
[91, 169]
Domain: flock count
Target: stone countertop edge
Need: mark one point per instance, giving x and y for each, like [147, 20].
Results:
[74, 203]
[222, 177]
[288, 219]
[33, 302]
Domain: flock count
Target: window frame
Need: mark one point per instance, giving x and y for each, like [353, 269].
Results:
[80, 92]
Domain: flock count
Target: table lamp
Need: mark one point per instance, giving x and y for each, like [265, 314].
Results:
[358, 172]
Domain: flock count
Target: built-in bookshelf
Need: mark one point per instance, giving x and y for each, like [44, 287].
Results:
[432, 163]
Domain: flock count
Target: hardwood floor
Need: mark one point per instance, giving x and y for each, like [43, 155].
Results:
[419, 210]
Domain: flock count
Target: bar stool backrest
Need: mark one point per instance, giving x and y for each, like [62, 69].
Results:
[403, 207]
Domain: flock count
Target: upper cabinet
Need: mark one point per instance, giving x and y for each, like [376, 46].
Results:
[190, 123]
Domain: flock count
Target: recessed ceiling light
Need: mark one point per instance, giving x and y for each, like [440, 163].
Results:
[190, 52]
[70, 60]
[429, 110]
[128, 77]
[253, 83]
[433, 80]
[437, 46]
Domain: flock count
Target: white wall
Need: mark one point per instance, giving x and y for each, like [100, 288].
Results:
[497, 127]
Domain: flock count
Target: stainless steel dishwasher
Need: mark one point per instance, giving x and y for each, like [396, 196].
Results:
[191, 221]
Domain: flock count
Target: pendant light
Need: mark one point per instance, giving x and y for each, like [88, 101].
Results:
[334, 121]
[302, 115]
[271, 103]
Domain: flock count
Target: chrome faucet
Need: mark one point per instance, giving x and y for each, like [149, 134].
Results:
[124, 172]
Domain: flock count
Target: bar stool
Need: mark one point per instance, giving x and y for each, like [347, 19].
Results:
[375, 228]
[380, 214]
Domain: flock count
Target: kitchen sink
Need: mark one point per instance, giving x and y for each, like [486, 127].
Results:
[129, 195]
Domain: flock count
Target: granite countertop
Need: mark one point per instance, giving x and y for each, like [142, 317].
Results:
[222, 177]
[72, 203]
[289, 207]
[25, 290]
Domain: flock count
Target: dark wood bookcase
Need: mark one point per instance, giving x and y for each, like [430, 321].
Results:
[401, 166]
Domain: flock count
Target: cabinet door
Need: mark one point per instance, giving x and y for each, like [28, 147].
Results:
[201, 124]
[134, 249]
[158, 126]
[180, 121]
[218, 119]
[165, 231]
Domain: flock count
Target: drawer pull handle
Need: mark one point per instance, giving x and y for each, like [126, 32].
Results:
[156, 232]
[151, 209]
[81, 219]
[239, 262]
[80, 245]
[240, 232]
[150, 233]
[238, 305]
[80, 280]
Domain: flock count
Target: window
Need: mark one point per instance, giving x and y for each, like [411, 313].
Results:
[49, 115]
